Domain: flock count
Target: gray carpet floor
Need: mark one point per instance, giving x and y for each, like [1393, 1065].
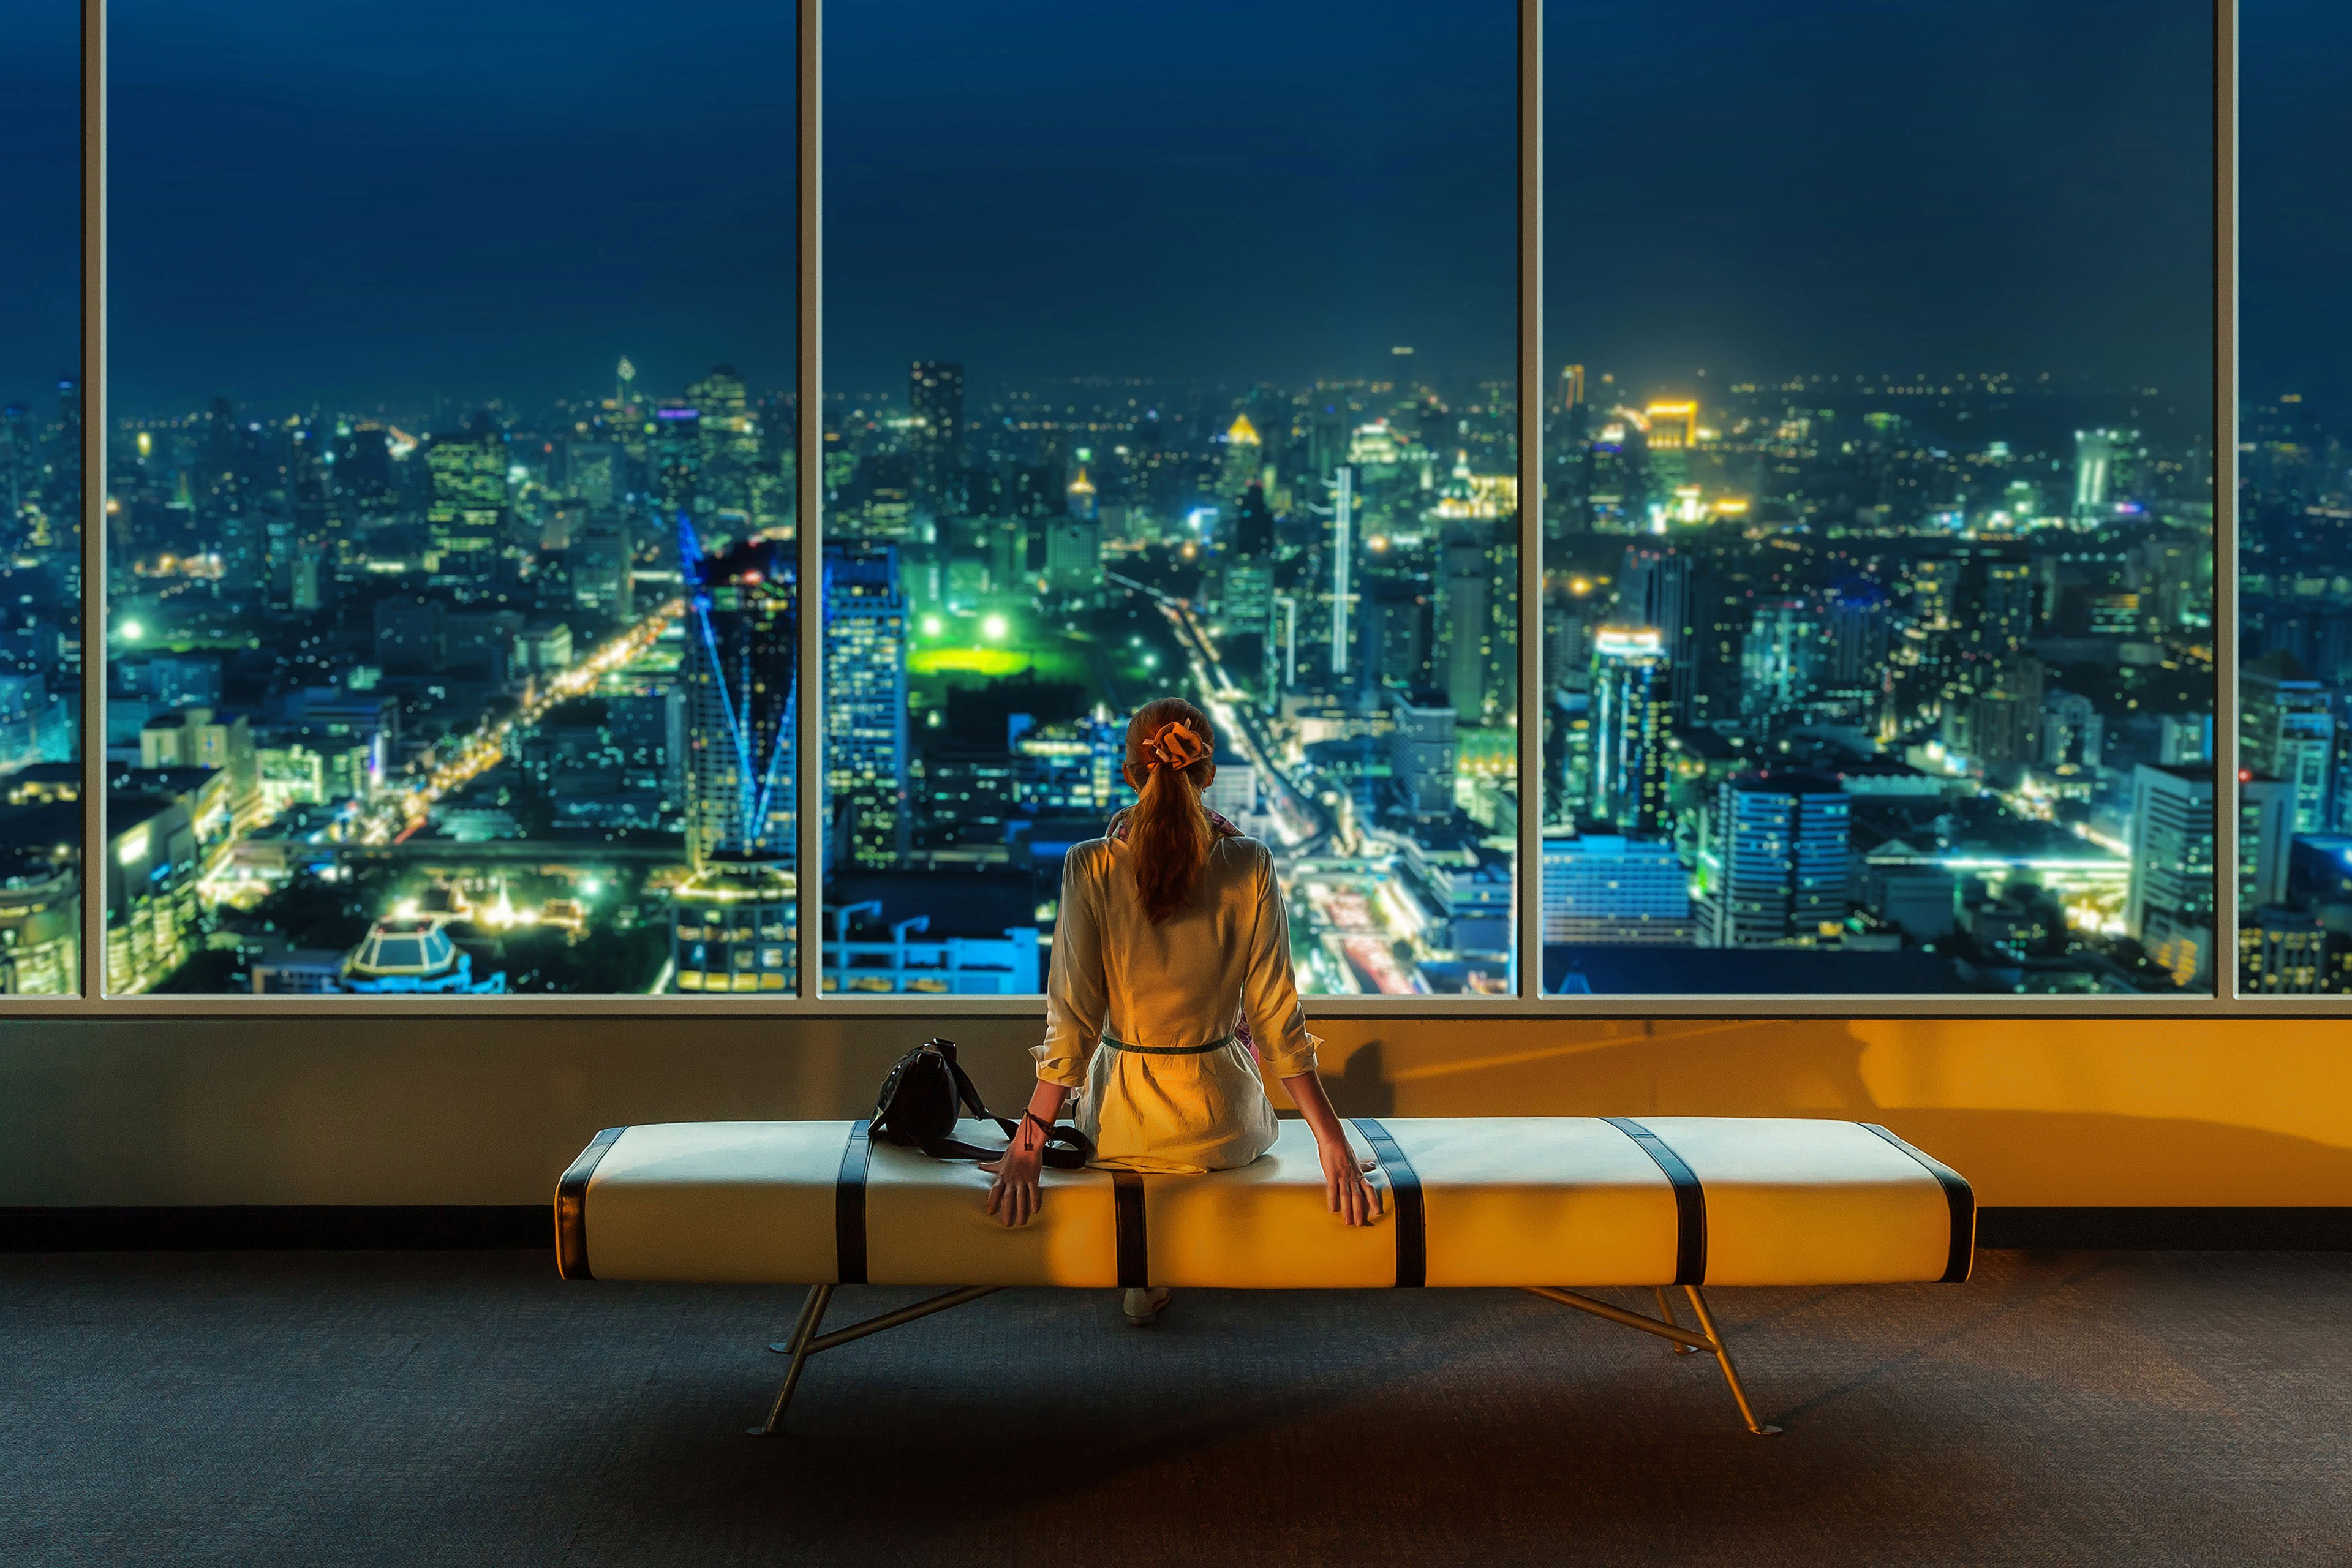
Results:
[462, 1408]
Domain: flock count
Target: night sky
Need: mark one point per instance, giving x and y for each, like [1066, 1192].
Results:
[325, 200]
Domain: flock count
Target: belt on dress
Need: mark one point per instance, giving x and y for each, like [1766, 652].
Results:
[1168, 1050]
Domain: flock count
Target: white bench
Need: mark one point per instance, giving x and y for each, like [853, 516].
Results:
[1546, 1204]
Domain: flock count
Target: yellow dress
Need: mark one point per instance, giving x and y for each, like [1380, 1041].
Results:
[1129, 1005]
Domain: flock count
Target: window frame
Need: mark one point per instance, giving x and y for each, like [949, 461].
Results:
[1528, 1001]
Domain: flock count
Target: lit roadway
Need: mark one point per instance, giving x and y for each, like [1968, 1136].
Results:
[1303, 814]
[1351, 939]
[408, 802]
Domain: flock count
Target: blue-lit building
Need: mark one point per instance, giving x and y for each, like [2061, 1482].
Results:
[1609, 889]
[1633, 716]
[408, 956]
[1779, 845]
[733, 918]
[742, 640]
[865, 705]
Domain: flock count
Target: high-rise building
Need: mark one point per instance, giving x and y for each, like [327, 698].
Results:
[1421, 755]
[1252, 536]
[2266, 840]
[1780, 842]
[1073, 556]
[1856, 631]
[1572, 388]
[1244, 461]
[1778, 657]
[467, 518]
[2007, 606]
[2099, 456]
[2168, 901]
[1612, 889]
[1633, 699]
[729, 476]
[2282, 953]
[675, 452]
[935, 398]
[1654, 589]
[2286, 731]
[866, 706]
[742, 647]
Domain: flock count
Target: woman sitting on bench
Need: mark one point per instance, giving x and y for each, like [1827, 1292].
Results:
[1171, 952]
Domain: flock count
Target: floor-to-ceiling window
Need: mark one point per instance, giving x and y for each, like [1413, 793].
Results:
[1878, 598]
[41, 876]
[1170, 352]
[2295, 524]
[450, 496]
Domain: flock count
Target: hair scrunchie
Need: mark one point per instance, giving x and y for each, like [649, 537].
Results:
[1176, 746]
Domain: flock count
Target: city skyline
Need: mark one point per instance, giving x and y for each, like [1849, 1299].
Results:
[1042, 559]
[451, 507]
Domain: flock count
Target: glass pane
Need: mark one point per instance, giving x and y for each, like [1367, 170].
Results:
[2295, 526]
[1169, 356]
[1877, 607]
[452, 633]
[40, 499]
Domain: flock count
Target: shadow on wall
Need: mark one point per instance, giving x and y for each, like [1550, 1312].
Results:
[2036, 1112]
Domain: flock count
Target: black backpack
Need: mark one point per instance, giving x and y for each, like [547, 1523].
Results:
[920, 1100]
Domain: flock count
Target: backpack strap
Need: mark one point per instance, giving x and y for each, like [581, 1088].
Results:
[1066, 1148]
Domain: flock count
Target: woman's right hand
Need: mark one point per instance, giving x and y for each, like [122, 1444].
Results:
[1345, 1189]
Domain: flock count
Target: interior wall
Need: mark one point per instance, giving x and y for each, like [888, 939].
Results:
[489, 1111]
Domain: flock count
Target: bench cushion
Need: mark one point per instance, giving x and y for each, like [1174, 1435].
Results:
[1499, 1201]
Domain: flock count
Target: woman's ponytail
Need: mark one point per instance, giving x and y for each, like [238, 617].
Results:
[1172, 750]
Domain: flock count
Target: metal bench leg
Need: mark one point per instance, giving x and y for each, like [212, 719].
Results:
[797, 1347]
[1666, 1311]
[807, 1342]
[1723, 1359]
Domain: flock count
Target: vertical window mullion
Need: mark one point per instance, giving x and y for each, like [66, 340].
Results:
[1530, 933]
[2227, 810]
[93, 502]
[808, 479]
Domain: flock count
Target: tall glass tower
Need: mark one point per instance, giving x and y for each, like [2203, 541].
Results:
[865, 705]
[733, 917]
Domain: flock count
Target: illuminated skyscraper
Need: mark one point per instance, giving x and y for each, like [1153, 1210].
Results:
[2094, 465]
[1252, 535]
[1653, 589]
[732, 920]
[2168, 901]
[742, 637]
[466, 520]
[677, 456]
[1343, 550]
[1572, 388]
[2286, 732]
[935, 397]
[865, 705]
[1245, 463]
[1633, 695]
[1673, 427]
[1779, 840]
[730, 475]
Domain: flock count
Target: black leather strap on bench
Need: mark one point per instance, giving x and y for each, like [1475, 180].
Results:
[1134, 1245]
[1959, 1195]
[1404, 1190]
[572, 1206]
[850, 1208]
[1690, 1200]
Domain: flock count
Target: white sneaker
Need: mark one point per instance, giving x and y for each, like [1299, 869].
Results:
[1144, 1307]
